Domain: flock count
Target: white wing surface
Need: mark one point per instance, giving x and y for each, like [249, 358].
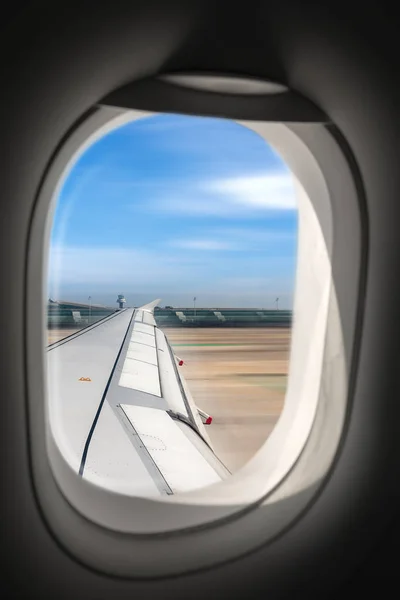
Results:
[121, 412]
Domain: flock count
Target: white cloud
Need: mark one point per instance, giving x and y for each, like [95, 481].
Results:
[111, 266]
[202, 245]
[274, 191]
[250, 236]
[238, 239]
[188, 202]
[228, 197]
[76, 272]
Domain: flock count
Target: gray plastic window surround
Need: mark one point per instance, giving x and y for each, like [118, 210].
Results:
[282, 478]
[223, 84]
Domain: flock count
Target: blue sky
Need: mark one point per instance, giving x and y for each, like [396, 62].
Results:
[174, 207]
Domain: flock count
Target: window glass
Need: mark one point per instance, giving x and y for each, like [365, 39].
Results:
[200, 213]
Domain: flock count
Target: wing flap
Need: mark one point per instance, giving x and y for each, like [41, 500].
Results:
[181, 464]
[143, 328]
[142, 352]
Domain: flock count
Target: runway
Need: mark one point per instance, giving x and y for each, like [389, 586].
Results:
[238, 376]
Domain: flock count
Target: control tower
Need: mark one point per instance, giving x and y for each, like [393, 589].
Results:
[121, 301]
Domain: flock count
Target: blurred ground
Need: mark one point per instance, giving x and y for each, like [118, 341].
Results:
[238, 376]
[53, 335]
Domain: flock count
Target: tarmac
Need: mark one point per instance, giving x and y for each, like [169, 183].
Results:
[238, 376]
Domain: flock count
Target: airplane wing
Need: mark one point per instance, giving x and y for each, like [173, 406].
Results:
[121, 411]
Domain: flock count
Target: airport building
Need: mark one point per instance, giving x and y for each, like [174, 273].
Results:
[71, 314]
[222, 317]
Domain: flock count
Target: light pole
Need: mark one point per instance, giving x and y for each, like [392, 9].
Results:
[90, 308]
[194, 306]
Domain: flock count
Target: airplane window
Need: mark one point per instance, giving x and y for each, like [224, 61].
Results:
[171, 280]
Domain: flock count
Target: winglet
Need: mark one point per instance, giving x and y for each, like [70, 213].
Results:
[150, 306]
